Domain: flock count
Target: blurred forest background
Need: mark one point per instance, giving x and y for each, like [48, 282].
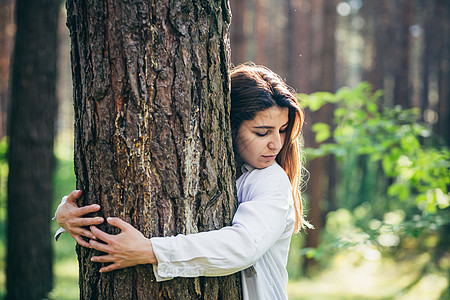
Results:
[374, 80]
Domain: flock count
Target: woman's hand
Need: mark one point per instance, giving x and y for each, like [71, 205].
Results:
[70, 217]
[126, 249]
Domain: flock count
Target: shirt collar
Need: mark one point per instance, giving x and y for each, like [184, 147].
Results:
[246, 168]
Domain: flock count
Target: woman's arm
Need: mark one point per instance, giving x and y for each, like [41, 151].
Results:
[71, 217]
[256, 227]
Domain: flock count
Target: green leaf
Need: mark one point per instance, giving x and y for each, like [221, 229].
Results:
[322, 131]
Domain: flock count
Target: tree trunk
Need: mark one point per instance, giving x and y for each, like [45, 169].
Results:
[298, 45]
[152, 133]
[323, 79]
[402, 19]
[260, 31]
[31, 132]
[237, 31]
[6, 45]
[380, 45]
[443, 109]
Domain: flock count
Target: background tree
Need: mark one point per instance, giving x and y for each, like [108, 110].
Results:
[238, 31]
[31, 133]
[152, 133]
[7, 29]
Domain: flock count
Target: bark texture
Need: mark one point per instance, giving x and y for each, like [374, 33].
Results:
[31, 133]
[152, 138]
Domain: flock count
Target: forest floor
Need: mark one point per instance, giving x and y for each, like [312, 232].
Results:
[380, 279]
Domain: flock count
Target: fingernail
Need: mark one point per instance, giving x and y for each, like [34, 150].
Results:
[99, 219]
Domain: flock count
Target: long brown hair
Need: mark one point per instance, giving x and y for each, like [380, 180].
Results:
[256, 88]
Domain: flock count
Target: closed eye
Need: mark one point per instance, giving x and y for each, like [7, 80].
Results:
[261, 134]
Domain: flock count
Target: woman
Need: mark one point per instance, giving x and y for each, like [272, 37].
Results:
[266, 120]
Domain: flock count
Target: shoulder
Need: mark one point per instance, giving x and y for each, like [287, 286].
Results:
[272, 179]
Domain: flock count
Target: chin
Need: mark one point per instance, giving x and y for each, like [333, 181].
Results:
[263, 165]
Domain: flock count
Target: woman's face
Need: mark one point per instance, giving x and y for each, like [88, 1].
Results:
[260, 140]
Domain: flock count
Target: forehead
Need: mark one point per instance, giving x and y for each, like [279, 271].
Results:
[274, 116]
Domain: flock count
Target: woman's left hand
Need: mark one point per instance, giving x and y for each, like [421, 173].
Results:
[126, 249]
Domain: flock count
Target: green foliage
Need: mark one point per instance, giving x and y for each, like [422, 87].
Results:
[419, 171]
[393, 176]
[3, 177]
[3, 213]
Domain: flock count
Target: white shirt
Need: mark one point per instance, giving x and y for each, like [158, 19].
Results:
[259, 236]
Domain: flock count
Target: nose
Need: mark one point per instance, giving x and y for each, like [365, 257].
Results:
[276, 142]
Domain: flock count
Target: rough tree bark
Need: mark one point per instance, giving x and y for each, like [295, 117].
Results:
[152, 134]
[31, 133]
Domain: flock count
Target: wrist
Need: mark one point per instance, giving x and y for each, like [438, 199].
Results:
[151, 255]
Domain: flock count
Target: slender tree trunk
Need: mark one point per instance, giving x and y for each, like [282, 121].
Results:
[427, 54]
[6, 45]
[237, 31]
[402, 19]
[328, 53]
[152, 134]
[322, 169]
[380, 48]
[31, 132]
[298, 45]
[260, 31]
[443, 111]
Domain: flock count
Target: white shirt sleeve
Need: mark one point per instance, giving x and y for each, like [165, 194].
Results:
[256, 226]
[60, 230]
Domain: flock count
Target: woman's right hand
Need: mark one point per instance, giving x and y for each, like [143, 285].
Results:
[71, 217]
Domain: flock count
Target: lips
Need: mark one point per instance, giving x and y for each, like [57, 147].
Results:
[269, 157]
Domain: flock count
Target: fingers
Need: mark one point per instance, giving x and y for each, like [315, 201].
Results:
[109, 259]
[119, 223]
[103, 258]
[74, 195]
[84, 232]
[81, 241]
[88, 209]
[110, 268]
[101, 235]
[80, 222]
[100, 246]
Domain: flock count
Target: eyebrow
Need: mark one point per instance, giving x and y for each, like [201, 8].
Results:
[269, 127]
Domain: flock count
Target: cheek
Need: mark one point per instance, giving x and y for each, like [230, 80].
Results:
[243, 144]
[249, 147]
